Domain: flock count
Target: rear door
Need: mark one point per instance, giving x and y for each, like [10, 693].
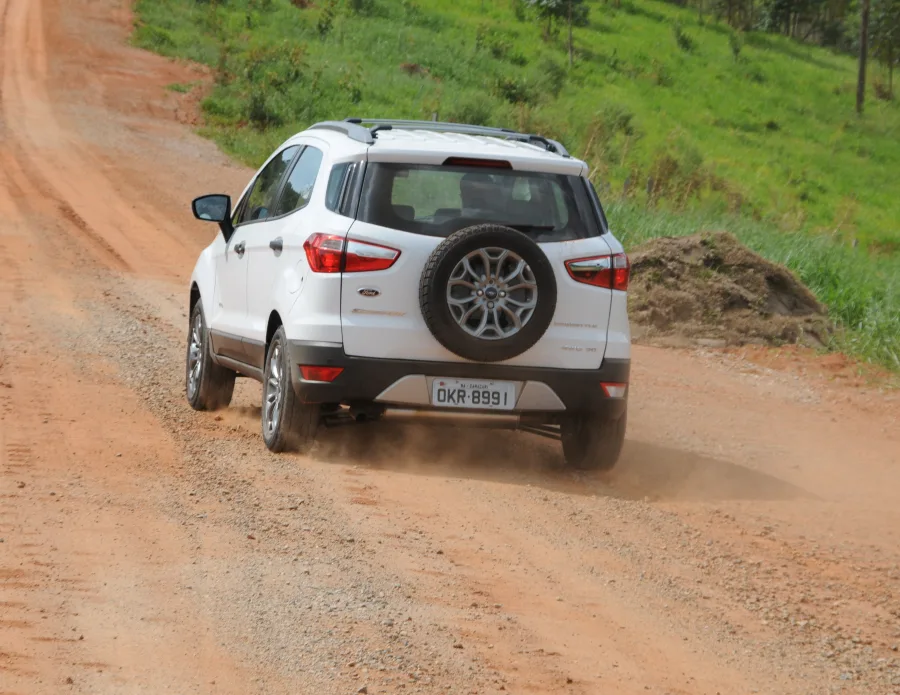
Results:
[277, 246]
[380, 311]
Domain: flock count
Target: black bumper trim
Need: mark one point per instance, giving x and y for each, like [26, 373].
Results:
[364, 378]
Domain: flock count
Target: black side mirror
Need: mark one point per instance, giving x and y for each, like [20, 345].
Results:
[215, 208]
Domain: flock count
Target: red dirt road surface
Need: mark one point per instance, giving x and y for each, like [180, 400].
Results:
[748, 543]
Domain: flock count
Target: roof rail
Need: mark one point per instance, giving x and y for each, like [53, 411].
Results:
[461, 128]
[351, 129]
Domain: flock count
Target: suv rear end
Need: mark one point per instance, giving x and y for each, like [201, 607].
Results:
[479, 284]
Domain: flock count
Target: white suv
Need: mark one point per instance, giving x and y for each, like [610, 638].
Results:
[421, 271]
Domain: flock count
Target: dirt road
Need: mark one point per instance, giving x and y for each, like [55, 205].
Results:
[749, 543]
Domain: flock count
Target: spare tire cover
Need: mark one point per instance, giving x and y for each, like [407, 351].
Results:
[488, 293]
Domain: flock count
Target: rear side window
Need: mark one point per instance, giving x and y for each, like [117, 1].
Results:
[258, 204]
[335, 186]
[299, 185]
[438, 200]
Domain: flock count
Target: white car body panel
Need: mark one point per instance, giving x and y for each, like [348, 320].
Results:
[391, 324]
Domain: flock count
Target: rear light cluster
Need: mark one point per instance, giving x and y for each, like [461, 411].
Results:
[610, 272]
[319, 373]
[613, 390]
[330, 253]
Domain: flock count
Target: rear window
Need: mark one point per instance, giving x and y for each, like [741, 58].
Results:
[439, 200]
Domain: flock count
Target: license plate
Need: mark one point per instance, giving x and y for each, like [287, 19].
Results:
[473, 393]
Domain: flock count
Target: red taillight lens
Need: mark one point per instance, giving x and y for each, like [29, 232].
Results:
[614, 390]
[621, 272]
[362, 257]
[312, 373]
[610, 272]
[329, 253]
[324, 252]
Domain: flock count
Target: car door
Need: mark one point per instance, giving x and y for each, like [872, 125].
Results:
[232, 264]
[276, 246]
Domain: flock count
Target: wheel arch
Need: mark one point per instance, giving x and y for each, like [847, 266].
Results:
[194, 297]
[272, 326]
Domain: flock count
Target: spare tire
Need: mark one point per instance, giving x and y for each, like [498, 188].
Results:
[488, 293]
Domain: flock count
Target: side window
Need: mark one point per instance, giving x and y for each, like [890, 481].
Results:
[299, 186]
[350, 200]
[258, 205]
[335, 186]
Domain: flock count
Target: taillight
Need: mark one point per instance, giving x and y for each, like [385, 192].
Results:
[362, 257]
[328, 253]
[614, 390]
[610, 272]
[324, 252]
[316, 373]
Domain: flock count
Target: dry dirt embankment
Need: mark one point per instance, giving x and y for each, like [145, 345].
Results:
[709, 289]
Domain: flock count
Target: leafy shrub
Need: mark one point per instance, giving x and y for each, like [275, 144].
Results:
[326, 19]
[682, 38]
[736, 43]
[513, 90]
[470, 108]
[551, 77]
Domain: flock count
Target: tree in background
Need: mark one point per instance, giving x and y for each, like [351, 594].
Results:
[863, 56]
[885, 30]
[573, 12]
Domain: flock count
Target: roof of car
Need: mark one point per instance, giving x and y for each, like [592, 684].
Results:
[431, 142]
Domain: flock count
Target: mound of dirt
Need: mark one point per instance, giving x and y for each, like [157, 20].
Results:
[708, 289]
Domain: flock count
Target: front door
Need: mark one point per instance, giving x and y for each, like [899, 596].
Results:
[230, 299]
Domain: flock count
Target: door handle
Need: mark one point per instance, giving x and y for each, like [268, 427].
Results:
[239, 249]
[277, 244]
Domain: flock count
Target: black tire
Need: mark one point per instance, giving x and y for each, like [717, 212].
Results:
[212, 386]
[592, 442]
[287, 423]
[436, 276]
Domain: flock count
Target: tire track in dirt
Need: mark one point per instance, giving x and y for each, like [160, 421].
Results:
[60, 171]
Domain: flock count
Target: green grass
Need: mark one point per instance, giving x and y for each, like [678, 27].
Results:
[181, 87]
[680, 135]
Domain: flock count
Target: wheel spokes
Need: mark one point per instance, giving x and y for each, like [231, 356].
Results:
[485, 308]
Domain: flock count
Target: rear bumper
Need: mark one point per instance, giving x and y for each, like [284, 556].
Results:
[365, 380]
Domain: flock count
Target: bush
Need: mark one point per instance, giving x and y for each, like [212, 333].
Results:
[682, 38]
[736, 43]
[513, 90]
[471, 108]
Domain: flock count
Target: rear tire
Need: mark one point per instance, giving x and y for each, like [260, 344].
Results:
[592, 442]
[208, 386]
[287, 423]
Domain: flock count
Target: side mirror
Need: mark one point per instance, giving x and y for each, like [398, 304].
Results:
[215, 208]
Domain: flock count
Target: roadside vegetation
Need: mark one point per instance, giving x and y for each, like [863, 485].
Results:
[688, 121]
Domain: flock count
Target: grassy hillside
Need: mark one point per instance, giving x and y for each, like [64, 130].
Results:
[675, 113]
[772, 133]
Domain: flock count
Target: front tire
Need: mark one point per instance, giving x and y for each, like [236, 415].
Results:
[592, 442]
[208, 386]
[287, 423]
